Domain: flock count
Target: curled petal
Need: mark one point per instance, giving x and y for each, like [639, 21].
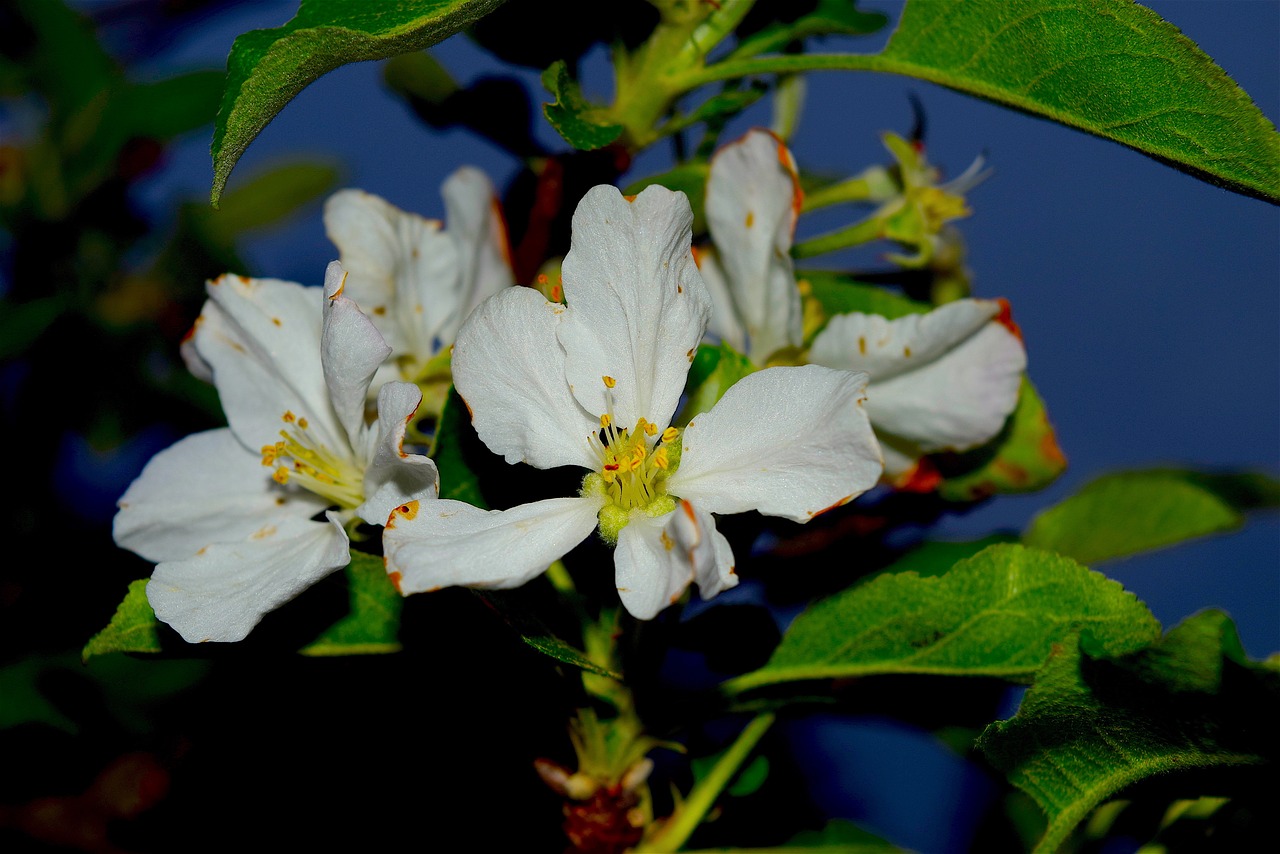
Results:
[637, 306]
[657, 558]
[205, 489]
[788, 442]
[445, 543]
[394, 477]
[753, 200]
[351, 351]
[509, 367]
[222, 592]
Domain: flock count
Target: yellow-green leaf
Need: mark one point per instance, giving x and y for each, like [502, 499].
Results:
[132, 629]
[372, 624]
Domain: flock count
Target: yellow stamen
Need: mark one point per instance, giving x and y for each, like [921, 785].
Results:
[609, 382]
[669, 435]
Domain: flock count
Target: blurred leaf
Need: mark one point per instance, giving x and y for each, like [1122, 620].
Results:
[133, 628]
[266, 68]
[420, 75]
[515, 611]
[65, 61]
[839, 293]
[457, 479]
[571, 115]
[373, 624]
[1088, 728]
[22, 323]
[21, 701]
[1129, 512]
[688, 178]
[714, 370]
[827, 17]
[996, 614]
[265, 200]
[841, 836]
[1023, 457]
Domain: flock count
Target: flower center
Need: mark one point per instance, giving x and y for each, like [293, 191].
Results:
[634, 466]
[300, 458]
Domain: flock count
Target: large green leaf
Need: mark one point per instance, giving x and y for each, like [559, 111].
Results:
[1111, 68]
[372, 625]
[1088, 728]
[996, 614]
[1128, 512]
[266, 68]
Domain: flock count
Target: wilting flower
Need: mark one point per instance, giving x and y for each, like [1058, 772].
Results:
[418, 280]
[595, 384]
[227, 514]
[941, 381]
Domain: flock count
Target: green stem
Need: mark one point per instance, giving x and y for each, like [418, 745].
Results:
[854, 235]
[856, 189]
[561, 580]
[677, 829]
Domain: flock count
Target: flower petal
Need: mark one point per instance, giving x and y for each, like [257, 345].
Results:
[443, 543]
[261, 338]
[723, 324]
[205, 489]
[351, 351]
[222, 592]
[392, 476]
[509, 367]
[657, 558]
[785, 441]
[637, 306]
[405, 272]
[477, 226]
[753, 200]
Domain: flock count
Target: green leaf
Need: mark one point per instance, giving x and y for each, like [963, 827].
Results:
[534, 632]
[457, 478]
[22, 702]
[1129, 512]
[570, 114]
[936, 557]
[747, 781]
[714, 370]
[1111, 68]
[996, 614]
[265, 200]
[1088, 728]
[841, 836]
[372, 625]
[22, 323]
[688, 178]
[839, 293]
[132, 629]
[266, 68]
[1024, 457]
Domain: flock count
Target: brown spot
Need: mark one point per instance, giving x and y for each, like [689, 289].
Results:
[244, 280]
[1005, 318]
[667, 542]
[906, 351]
[276, 321]
[842, 502]
[689, 355]
[1049, 448]
[630, 198]
[395, 578]
[923, 477]
[379, 310]
[1015, 473]
[280, 500]
[263, 533]
[751, 219]
[862, 344]
[679, 288]
[202, 550]
[408, 510]
[414, 252]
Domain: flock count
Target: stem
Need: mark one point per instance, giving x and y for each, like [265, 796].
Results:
[856, 189]
[561, 580]
[677, 830]
[854, 235]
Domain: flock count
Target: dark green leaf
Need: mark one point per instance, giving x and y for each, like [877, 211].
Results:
[1129, 512]
[1088, 727]
[21, 324]
[571, 115]
[21, 700]
[996, 614]
[838, 836]
[457, 479]
[534, 632]
[266, 68]
[132, 629]
[373, 623]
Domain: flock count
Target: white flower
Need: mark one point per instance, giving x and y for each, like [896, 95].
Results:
[417, 280]
[227, 514]
[594, 384]
[941, 381]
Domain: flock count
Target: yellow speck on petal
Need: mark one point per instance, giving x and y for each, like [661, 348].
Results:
[667, 542]
[751, 219]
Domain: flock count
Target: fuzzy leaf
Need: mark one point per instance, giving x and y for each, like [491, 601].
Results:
[373, 624]
[133, 628]
[714, 370]
[1089, 728]
[1129, 512]
[996, 614]
[267, 68]
[571, 115]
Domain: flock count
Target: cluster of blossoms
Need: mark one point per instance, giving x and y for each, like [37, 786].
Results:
[321, 387]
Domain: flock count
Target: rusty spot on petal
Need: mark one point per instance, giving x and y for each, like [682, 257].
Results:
[1005, 318]
[923, 477]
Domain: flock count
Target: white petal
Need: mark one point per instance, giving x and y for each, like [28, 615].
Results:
[476, 224]
[724, 324]
[405, 271]
[886, 348]
[637, 306]
[392, 476]
[221, 593]
[788, 442]
[657, 558]
[434, 544]
[509, 367]
[206, 488]
[351, 351]
[753, 199]
[261, 337]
